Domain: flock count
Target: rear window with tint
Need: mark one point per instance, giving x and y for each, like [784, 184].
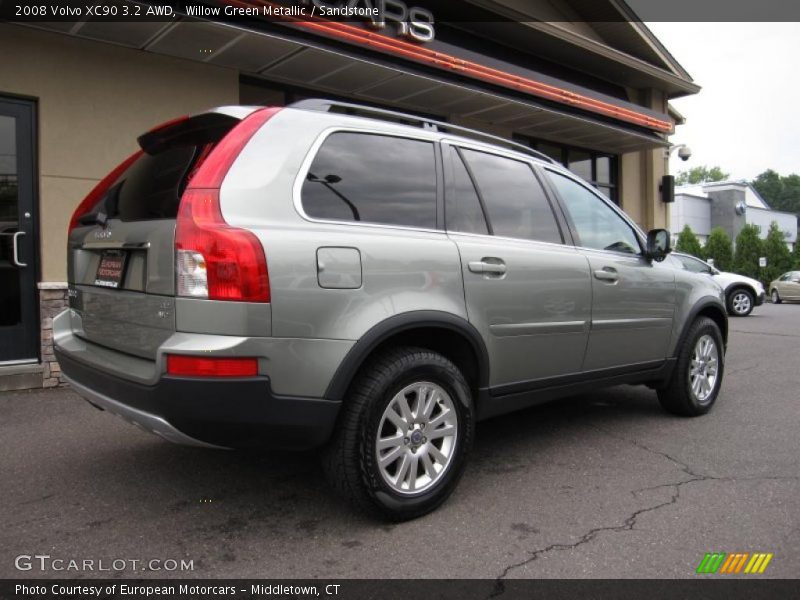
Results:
[372, 179]
[152, 186]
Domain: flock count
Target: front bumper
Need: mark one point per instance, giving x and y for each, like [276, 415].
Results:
[227, 413]
[762, 296]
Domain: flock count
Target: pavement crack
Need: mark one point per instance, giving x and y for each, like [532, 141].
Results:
[686, 468]
[627, 525]
[630, 522]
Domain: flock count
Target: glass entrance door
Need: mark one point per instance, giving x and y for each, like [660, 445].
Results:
[19, 322]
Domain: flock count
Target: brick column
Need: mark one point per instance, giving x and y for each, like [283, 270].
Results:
[52, 300]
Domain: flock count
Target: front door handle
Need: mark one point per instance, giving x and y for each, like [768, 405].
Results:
[15, 243]
[493, 266]
[608, 274]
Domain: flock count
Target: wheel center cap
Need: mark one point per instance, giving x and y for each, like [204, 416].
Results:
[416, 437]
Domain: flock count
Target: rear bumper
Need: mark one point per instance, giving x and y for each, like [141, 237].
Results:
[227, 413]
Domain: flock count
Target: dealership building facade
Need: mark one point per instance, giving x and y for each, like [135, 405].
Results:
[730, 205]
[575, 79]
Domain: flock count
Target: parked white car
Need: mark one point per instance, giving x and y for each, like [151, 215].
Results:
[742, 293]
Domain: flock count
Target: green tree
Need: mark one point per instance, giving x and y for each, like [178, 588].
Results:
[780, 192]
[719, 248]
[769, 185]
[701, 174]
[748, 250]
[779, 259]
[688, 243]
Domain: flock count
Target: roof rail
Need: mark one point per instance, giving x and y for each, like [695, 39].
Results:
[324, 105]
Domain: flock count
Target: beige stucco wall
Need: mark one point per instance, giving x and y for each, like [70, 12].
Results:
[641, 174]
[94, 99]
[640, 177]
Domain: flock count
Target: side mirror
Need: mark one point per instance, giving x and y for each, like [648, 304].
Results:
[658, 244]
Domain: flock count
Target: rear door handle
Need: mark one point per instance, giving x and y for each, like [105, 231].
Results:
[493, 266]
[607, 274]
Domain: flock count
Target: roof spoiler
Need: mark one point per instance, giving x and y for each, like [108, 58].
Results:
[204, 128]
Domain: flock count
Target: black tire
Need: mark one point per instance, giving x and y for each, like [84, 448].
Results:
[676, 396]
[734, 300]
[776, 297]
[350, 459]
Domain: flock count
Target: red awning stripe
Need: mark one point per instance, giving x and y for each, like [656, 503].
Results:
[359, 36]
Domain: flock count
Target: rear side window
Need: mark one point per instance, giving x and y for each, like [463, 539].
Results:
[463, 210]
[372, 179]
[514, 199]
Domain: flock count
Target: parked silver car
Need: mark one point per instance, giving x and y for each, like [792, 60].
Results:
[368, 283]
[785, 287]
[742, 293]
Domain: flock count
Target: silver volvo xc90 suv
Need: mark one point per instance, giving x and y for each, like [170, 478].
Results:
[369, 283]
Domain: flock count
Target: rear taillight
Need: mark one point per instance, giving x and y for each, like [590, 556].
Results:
[212, 259]
[211, 366]
[88, 203]
[214, 168]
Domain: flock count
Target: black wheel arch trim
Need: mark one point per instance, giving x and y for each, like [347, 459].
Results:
[693, 314]
[419, 319]
[738, 285]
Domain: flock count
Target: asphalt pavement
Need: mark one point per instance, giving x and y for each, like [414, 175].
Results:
[601, 485]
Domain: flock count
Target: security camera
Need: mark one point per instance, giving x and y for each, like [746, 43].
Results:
[684, 153]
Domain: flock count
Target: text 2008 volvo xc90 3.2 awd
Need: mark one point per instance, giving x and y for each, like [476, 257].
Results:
[371, 284]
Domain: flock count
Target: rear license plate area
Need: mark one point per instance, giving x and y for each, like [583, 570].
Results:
[111, 270]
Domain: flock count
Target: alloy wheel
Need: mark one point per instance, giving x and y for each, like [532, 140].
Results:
[704, 368]
[741, 303]
[416, 439]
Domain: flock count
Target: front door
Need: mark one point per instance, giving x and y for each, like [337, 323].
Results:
[633, 299]
[19, 322]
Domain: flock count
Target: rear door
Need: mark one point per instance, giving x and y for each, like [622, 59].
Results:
[121, 253]
[527, 293]
[633, 299]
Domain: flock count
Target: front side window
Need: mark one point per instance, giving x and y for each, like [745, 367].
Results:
[515, 202]
[372, 179]
[597, 225]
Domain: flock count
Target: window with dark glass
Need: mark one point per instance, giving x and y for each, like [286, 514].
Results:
[580, 162]
[372, 179]
[596, 223]
[597, 168]
[151, 187]
[463, 210]
[515, 201]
